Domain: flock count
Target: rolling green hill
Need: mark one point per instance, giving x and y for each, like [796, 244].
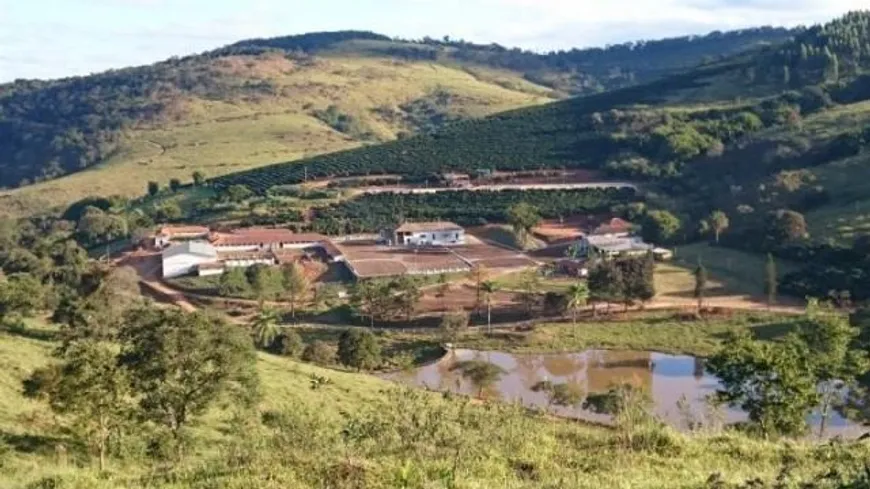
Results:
[696, 135]
[355, 430]
[264, 101]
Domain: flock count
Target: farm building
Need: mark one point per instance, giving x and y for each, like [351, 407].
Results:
[427, 234]
[168, 234]
[611, 246]
[186, 258]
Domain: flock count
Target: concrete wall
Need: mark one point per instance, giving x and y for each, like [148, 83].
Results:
[182, 264]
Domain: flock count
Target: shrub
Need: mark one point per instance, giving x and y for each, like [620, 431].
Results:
[290, 344]
[319, 352]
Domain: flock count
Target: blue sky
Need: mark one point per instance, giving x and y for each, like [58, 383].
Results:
[55, 38]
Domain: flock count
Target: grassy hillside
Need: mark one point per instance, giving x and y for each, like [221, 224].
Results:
[264, 101]
[308, 437]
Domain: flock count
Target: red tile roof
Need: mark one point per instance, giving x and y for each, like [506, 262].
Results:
[266, 236]
[183, 230]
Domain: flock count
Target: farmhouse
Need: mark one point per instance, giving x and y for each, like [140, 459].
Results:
[427, 234]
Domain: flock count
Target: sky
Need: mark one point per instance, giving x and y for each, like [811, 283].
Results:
[57, 38]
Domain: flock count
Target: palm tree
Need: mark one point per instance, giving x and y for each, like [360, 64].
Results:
[578, 296]
[488, 288]
[264, 328]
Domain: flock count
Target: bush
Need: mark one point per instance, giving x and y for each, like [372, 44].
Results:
[290, 344]
[319, 353]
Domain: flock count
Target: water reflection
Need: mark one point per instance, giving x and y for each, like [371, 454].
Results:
[667, 378]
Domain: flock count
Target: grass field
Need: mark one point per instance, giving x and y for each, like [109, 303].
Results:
[220, 137]
[848, 214]
[662, 332]
[731, 272]
[303, 440]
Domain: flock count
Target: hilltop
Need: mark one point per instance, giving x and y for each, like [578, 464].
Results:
[264, 101]
[697, 135]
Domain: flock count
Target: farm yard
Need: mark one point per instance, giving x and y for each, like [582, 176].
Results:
[370, 260]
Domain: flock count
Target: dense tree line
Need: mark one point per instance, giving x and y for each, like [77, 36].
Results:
[378, 211]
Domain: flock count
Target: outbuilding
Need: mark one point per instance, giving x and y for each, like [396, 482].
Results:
[186, 258]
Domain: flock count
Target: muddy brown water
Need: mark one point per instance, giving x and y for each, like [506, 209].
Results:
[667, 378]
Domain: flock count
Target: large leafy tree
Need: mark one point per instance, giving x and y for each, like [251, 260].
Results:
[88, 388]
[523, 217]
[775, 383]
[181, 364]
[359, 349]
[660, 227]
[837, 365]
[784, 227]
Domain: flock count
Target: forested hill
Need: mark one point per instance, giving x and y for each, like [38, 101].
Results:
[332, 91]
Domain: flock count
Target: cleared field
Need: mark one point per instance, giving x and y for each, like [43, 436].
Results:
[848, 214]
[731, 272]
[220, 137]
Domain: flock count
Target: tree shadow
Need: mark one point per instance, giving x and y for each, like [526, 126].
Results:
[39, 334]
[33, 444]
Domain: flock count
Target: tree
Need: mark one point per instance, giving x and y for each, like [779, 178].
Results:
[478, 275]
[700, 285]
[234, 283]
[443, 288]
[771, 280]
[719, 223]
[561, 395]
[407, 296]
[481, 374]
[829, 338]
[174, 184]
[630, 406]
[577, 297]
[319, 353]
[359, 349]
[266, 281]
[530, 285]
[453, 324]
[606, 282]
[372, 299]
[785, 227]
[660, 227]
[237, 193]
[21, 294]
[181, 364]
[290, 344]
[774, 383]
[153, 188]
[523, 217]
[295, 284]
[198, 178]
[488, 288]
[264, 328]
[89, 388]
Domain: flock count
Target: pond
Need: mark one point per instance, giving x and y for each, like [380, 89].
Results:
[667, 378]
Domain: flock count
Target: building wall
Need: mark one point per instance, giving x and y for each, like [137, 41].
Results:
[438, 238]
[183, 264]
[211, 271]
